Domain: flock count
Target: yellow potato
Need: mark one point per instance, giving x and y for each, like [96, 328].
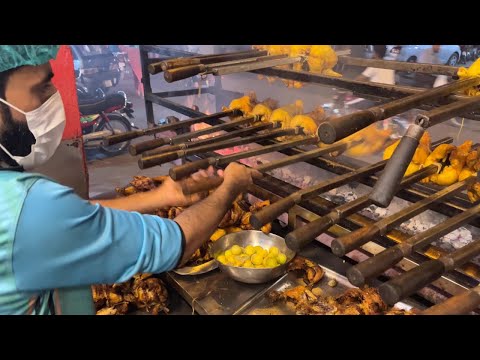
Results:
[256, 259]
[236, 250]
[249, 250]
[281, 258]
[273, 250]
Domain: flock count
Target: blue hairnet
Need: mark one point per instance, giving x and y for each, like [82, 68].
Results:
[12, 56]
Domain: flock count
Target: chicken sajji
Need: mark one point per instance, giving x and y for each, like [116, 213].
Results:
[303, 301]
[142, 292]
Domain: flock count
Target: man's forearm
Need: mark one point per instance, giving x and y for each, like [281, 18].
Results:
[142, 202]
[200, 220]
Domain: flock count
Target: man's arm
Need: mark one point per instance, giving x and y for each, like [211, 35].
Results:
[62, 241]
[199, 221]
[168, 194]
[65, 241]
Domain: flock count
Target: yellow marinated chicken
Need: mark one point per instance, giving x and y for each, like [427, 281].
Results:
[465, 174]
[412, 167]
[261, 109]
[473, 70]
[423, 149]
[265, 108]
[474, 192]
[472, 161]
[454, 163]
[244, 104]
[447, 176]
[297, 50]
[285, 113]
[217, 234]
[373, 140]
[309, 122]
[306, 122]
[437, 157]
[419, 157]
[322, 60]
[458, 156]
[278, 50]
[318, 114]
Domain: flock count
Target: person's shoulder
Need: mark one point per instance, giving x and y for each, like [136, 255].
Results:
[43, 189]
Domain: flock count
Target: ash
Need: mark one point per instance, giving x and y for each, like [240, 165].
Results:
[304, 175]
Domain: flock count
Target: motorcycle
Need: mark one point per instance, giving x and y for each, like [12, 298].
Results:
[469, 53]
[104, 115]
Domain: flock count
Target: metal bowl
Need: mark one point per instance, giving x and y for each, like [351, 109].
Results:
[254, 238]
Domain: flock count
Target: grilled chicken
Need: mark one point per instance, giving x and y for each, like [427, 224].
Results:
[473, 70]
[354, 301]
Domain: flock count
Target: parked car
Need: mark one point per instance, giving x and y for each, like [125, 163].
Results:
[448, 54]
[95, 67]
[391, 53]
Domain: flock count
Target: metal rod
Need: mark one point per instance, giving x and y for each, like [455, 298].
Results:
[337, 128]
[443, 113]
[400, 65]
[459, 304]
[365, 89]
[411, 281]
[256, 65]
[304, 235]
[179, 172]
[183, 72]
[158, 67]
[115, 139]
[383, 191]
[150, 161]
[389, 257]
[272, 188]
[139, 148]
[359, 273]
[237, 133]
[270, 213]
[338, 147]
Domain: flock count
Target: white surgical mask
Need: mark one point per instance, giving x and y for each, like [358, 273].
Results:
[46, 124]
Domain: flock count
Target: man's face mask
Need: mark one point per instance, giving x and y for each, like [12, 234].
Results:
[46, 123]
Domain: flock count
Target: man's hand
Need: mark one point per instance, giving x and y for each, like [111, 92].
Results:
[171, 191]
[238, 177]
[196, 226]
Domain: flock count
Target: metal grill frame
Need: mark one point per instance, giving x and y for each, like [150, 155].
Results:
[310, 210]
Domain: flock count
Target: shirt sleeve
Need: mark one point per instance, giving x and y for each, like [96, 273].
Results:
[62, 240]
[369, 72]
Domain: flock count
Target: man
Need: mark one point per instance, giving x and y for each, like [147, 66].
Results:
[378, 75]
[431, 56]
[51, 238]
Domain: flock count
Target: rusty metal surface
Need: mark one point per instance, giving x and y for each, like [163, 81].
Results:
[375, 91]
[400, 65]
[213, 293]
[216, 294]
[310, 210]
